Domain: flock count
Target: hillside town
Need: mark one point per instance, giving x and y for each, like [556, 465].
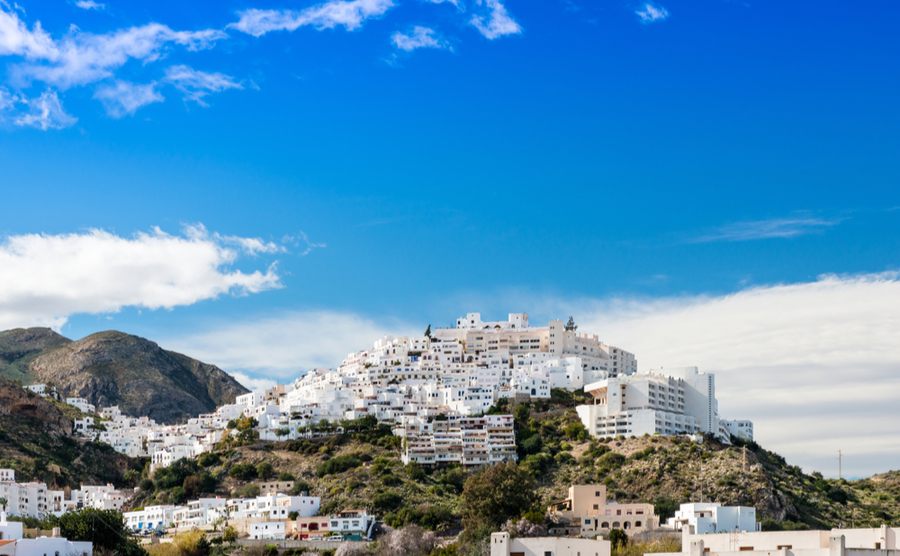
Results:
[434, 390]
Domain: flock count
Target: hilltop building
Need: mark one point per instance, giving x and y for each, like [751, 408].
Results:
[673, 401]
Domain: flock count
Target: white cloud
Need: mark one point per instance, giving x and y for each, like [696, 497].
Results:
[7, 100]
[253, 245]
[497, 23]
[80, 58]
[814, 365]
[456, 3]
[772, 228]
[47, 278]
[650, 13]
[90, 5]
[351, 14]
[194, 85]
[44, 112]
[123, 97]
[253, 383]
[285, 347]
[16, 39]
[421, 37]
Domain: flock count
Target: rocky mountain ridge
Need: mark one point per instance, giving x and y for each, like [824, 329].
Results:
[114, 368]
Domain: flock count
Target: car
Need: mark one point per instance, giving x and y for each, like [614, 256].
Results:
[335, 538]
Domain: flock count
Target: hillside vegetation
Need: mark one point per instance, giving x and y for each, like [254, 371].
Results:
[34, 442]
[363, 470]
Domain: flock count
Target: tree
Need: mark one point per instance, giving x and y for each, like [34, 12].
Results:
[521, 413]
[131, 476]
[264, 470]
[570, 326]
[4, 502]
[286, 476]
[497, 494]
[230, 534]
[617, 538]
[105, 528]
[428, 332]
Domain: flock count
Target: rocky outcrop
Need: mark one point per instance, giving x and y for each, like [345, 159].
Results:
[18, 405]
[114, 368]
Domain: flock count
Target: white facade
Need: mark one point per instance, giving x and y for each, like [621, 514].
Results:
[712, 517]
[837, 542]
[82, 404]
[739, 429]
[502, 545]
[678, 401]
[470, 441]
[14, 543]
[151, 517]
[273, 530]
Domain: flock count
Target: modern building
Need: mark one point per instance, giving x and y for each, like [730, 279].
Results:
[470, 441]
[712, 517]
[674, 401]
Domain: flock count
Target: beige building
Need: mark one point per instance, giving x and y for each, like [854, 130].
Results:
[586, 510]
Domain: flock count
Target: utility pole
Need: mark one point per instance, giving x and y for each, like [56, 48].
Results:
[839, 465]
[744, 462]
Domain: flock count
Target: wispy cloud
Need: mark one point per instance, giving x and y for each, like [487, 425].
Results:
[651, 13]
[459, 5]
[81, 58]
[194, 85]
[122, 97]
[44, 112]
[48, 278]
[497, 22]
[90, 5]
[307, 245]
[771, 228]
[420, 37]
[351, 14]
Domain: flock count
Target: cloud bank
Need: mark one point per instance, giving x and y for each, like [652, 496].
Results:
[47, 278]
[814, 365]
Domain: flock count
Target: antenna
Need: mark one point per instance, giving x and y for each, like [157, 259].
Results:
[744, 455]
[839, 465]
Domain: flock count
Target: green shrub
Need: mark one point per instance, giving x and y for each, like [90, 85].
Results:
[209, 459]
[338, 464]
[243, 472]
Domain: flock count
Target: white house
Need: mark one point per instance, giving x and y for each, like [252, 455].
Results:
[712, 517]
[502, 545]
[273, 530]
[13, 543]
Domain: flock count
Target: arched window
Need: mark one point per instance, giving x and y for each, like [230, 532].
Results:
[605, 525]
[627, 525]
[616, 525]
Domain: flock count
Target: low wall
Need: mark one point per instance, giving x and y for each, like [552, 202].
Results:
[314, 545]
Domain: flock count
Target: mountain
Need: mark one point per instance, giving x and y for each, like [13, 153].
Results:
[114, 368]
[35, 441]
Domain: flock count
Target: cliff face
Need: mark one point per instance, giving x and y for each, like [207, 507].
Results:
[113, 368]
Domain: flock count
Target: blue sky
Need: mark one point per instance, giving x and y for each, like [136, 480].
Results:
[405, 162]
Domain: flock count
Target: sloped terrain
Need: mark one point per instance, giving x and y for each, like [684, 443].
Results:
[34, 440]
[114, 368]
